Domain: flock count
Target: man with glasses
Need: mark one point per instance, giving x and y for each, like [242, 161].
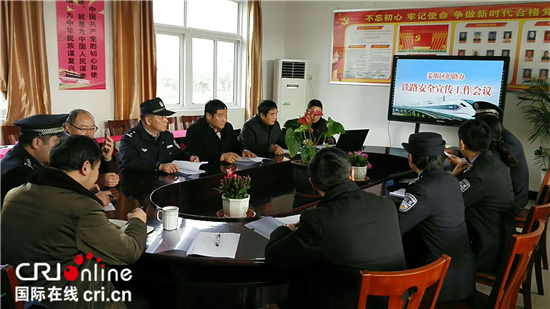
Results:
[39, 133]
[81, 122]
[149, 147]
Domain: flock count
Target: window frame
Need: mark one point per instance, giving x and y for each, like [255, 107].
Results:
[187, 35]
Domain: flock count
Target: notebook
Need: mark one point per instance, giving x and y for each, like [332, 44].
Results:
[353, 140]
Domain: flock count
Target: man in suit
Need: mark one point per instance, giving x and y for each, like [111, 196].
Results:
[349, 230]
[262, 133]
[149, 147]
[39, 133]
[433, 205]
[212, 138]
[488, 195]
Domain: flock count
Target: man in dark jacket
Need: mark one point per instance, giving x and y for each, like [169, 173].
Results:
[350, 230]
[149, 147]
[318, 123]
[212, 138]
[262, 133]
[488, 196]
[433, 205]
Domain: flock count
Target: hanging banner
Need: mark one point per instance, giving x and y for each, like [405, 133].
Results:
[81, 44]
[364, 41]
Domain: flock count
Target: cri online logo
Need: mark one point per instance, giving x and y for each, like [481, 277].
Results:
[71, 273]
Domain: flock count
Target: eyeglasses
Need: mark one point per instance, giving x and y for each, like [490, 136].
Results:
[94, 129]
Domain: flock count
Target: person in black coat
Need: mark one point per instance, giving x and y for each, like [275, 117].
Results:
[349, 230]
[149, 147]
[262, 133]
[319, 124]
[212, 138]
[488, 196]
[434, 206]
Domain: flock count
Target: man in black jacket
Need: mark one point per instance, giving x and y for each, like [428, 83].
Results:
[262, 133]
[350, 230]
[433, 207]
[212, 138]
[149, 147]
[488, 196]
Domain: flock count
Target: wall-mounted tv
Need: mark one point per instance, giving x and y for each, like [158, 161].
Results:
[442, 89]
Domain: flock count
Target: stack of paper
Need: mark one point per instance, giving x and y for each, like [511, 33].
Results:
[265, 226]
[189, 168]
[249, 161]
[399, 193]
[215, 245]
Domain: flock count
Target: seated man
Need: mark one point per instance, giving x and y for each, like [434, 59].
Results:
[212, 138]
[350, 230]
[433, 204]
[262, 133]
[488, 196]
[39, 133]
[319, 124]
[81, 122]
[54, 219]
[149, 147]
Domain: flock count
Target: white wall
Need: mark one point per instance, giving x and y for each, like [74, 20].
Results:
[308, 36]
[274, 19]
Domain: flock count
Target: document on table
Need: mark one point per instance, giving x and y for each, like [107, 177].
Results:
[223, 245]
[249, 161]
[189, 168]
[265, 226]
[398, 193]
[109, 207]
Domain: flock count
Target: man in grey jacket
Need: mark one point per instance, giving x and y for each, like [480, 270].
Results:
[262, 133]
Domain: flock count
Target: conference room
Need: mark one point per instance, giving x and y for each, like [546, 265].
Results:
[274, 154]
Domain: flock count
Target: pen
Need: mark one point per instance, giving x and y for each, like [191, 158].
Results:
[218, 240]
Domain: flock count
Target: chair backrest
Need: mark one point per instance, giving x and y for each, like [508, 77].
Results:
[10, 134]
[8, 284]
[119, 127]
[173, 124]
[188, 120]
[511, 275]
[536, 212]
[427, 280]
[544, 193]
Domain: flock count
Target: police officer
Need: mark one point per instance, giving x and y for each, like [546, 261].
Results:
[149, 147]
[508, 148]
[488, 196]
[39, 133]
[433, 205]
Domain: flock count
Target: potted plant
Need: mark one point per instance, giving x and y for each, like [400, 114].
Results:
[536, 109]
[235, 197]
[299, 135]
[360, 164]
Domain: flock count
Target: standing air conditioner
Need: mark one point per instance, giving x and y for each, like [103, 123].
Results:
[289, 88]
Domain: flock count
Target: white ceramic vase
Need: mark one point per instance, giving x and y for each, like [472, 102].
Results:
[360, 172]
[235, 208]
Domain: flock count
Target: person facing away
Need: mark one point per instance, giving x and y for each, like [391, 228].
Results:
[212, 138]
[349, 230]
[54, 218]
[149, 146]
[434, 206]
[488, 195]
[262, 133]
[82, 122]
[39, 133]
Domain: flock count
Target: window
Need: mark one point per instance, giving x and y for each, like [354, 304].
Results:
[200, 52]
[3, 107]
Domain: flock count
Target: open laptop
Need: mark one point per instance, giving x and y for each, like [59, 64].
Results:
[353, 140]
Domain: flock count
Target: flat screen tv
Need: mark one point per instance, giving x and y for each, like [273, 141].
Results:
[442, 89]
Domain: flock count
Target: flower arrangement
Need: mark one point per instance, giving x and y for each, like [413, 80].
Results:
[234, 186]
[359, 159]
[301, 135]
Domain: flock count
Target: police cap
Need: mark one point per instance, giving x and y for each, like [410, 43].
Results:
[486, 108]
[42, 124]
[155, 107]
[425, 144]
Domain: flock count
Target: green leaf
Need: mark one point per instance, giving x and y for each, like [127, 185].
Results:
[293, 142]
[334, 128]
[292, 124]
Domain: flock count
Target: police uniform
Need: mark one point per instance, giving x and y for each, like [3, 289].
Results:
[490, 215]
[518, 172]
[433, 207]
[17, 165]
[140, 151]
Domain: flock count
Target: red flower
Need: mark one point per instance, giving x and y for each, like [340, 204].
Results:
[230, 174]
[306, 120]
[317, 113]
[310, 130]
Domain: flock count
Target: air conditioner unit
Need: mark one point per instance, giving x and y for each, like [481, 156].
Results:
[289, 88]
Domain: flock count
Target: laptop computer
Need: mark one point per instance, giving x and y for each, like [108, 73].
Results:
[353, 140]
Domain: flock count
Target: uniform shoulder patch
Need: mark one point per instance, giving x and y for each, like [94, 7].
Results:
[130, 133]
[408, 202]
[464, 185]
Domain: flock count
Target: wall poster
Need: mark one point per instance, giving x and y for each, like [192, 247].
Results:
[364, 41]
[81, 44]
